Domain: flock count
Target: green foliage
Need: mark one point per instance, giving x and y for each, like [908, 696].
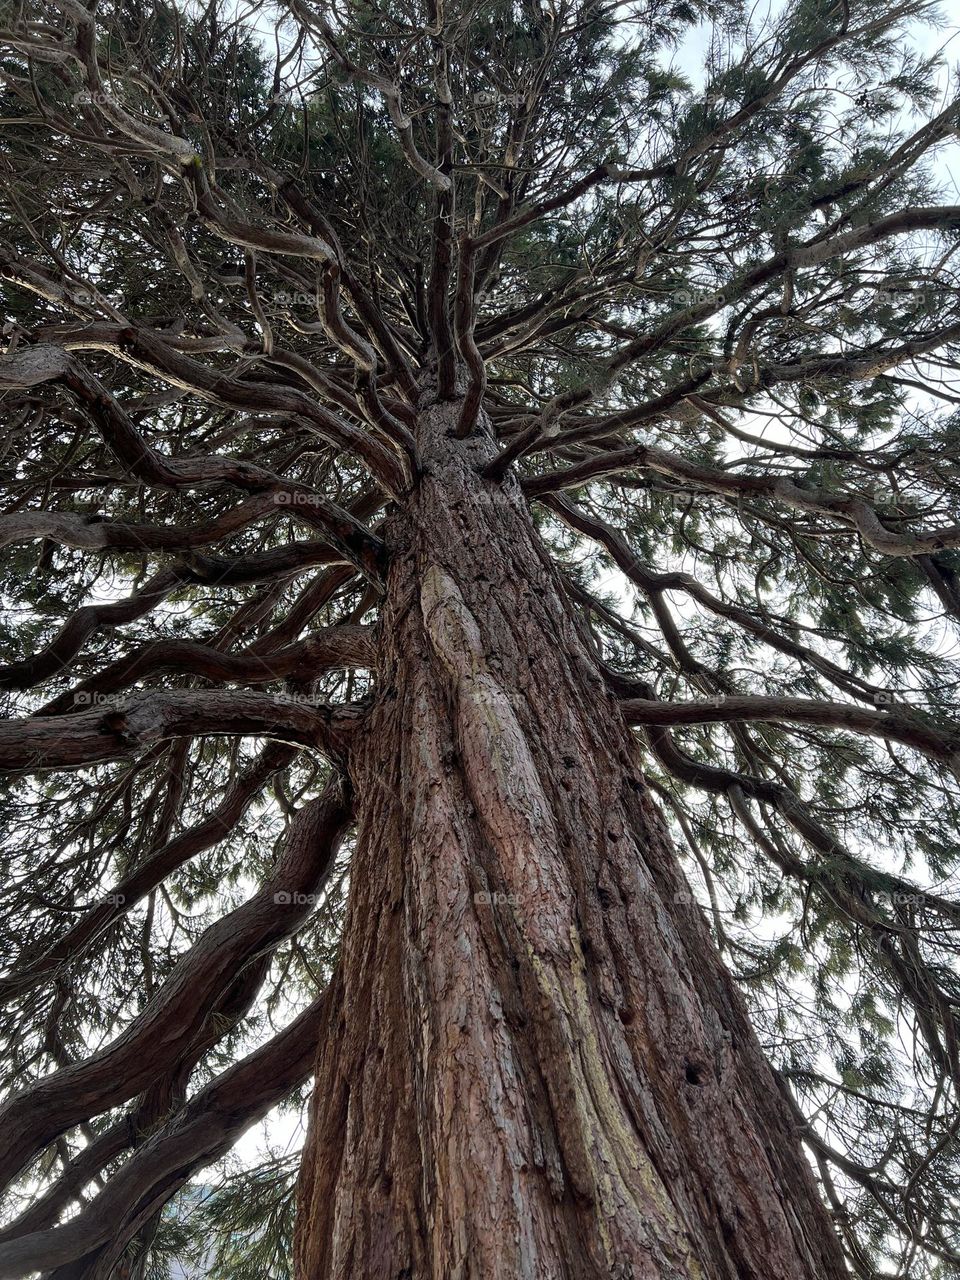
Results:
[834, 908]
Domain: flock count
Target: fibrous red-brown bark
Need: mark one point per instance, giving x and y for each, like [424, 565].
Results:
[534, 1064]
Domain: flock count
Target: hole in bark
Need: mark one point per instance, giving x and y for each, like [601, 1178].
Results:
[626, 1016]
[695, 1073]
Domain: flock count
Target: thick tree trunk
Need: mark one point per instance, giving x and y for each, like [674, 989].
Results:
[535, 1064]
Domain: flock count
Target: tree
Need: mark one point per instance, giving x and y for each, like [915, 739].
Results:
[452, 455]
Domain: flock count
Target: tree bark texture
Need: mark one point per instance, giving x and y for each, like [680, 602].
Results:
[534, 1065]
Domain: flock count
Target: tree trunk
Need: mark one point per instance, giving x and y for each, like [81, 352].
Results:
[535, 1066]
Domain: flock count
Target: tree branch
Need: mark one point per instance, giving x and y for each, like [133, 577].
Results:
[941, 744]
[123, 727]
[156, 1039]
[86, 1247]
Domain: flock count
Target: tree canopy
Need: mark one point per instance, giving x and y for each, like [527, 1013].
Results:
[696, 268]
